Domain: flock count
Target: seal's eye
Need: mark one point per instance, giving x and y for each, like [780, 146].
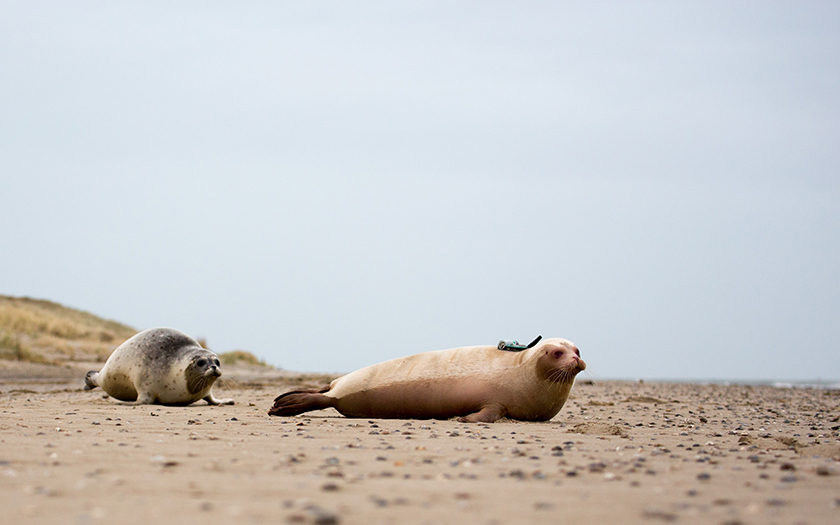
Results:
[217, 362]
[201, 362]
[557, 354]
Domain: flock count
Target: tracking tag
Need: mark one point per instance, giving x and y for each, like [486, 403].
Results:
[514, 346]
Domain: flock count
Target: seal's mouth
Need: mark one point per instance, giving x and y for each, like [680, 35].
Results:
[196, 383]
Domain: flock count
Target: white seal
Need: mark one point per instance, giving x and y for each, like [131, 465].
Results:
[478, 383]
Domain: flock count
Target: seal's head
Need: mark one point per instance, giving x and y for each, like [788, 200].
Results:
[558, 360]
[203, 370]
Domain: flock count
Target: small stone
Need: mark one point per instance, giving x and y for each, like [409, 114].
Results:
[326, 518]
[659, 514]
[704, 476]
[597, 467]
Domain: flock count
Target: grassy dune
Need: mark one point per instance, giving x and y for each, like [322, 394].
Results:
[241, 357]
[41, 331]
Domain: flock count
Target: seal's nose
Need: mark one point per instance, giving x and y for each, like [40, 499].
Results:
[215, 371]
[581, 364]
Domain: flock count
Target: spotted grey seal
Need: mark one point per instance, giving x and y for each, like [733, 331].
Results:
[162, 366]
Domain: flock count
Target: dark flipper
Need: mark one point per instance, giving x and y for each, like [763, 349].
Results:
[300, 401]
[89, 384]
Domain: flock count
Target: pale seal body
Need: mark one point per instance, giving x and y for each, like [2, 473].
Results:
[162, 366]
[477, 383]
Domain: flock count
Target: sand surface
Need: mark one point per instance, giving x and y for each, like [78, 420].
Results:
[619, 452]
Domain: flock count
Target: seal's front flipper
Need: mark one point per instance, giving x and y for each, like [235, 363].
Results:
[213, 401]
[300, 401]
[91, 381]
[487, 414]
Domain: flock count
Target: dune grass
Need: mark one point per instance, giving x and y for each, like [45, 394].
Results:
[12, 349]
[40, 331]
[235, 357]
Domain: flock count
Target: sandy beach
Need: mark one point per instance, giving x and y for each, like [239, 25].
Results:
[618, 452]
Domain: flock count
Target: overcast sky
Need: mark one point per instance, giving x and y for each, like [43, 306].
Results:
[333, 184]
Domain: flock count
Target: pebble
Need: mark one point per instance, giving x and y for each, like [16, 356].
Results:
[659, 514]
[326, 518]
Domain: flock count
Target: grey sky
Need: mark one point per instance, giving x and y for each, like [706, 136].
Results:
[333, 184]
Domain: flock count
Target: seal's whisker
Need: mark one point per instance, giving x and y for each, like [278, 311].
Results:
[559, 377]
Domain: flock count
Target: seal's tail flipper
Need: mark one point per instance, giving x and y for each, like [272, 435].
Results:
[300, 401]
[90, 380]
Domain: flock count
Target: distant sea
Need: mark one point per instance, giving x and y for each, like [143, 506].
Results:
[828, 384]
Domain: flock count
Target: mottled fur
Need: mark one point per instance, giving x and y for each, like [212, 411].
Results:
[159, 365]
